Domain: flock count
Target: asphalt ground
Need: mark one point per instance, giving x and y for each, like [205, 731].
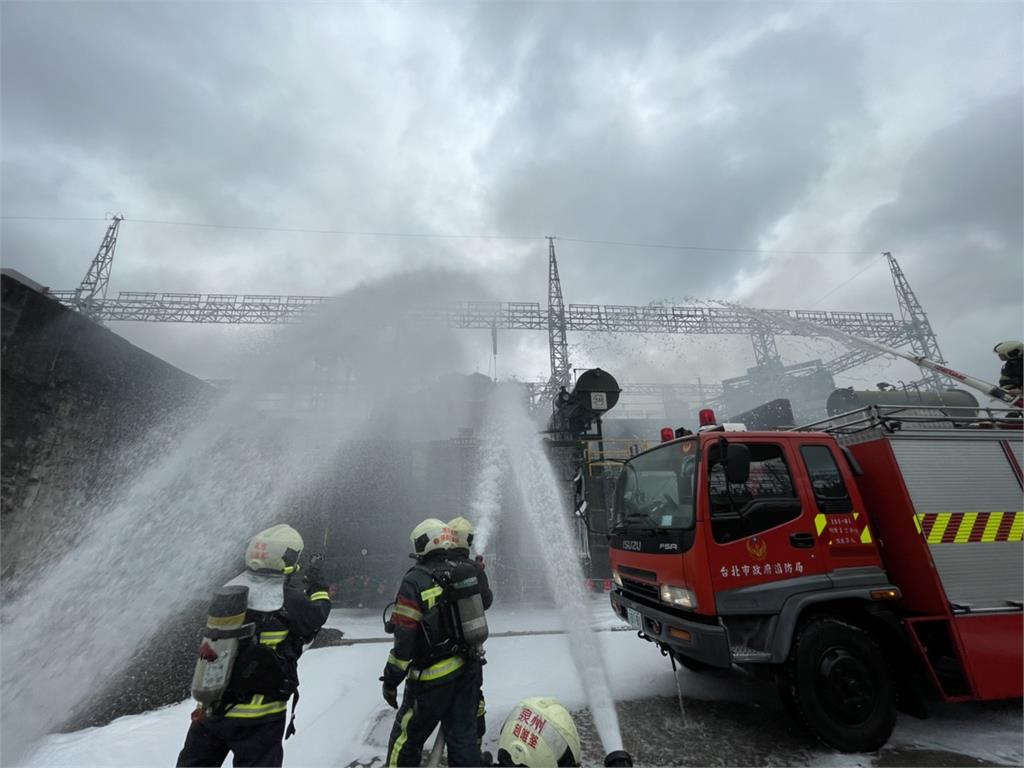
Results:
[739, 733]
[753, 732]
[746, 725]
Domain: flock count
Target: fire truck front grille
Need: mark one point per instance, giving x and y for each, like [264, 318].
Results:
[650, 591]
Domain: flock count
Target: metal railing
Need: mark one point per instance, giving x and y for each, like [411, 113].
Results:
[615, 450]
[893, 418]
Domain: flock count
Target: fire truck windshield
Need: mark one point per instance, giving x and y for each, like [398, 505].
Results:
[656, 489]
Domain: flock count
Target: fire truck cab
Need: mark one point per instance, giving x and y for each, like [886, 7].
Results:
[857, 561]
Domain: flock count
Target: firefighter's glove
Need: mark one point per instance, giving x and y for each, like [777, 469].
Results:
[314, 578]
[390, 694]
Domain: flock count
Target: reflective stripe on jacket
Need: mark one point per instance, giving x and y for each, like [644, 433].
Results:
[437, 670]
[286, 631]
[416, 610]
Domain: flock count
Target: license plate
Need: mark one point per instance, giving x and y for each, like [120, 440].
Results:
[635, 619]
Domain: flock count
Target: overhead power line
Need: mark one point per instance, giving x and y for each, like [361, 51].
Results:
[674, 247]
[448, 236]
[292, 230]
[54, 218]
[848, 280]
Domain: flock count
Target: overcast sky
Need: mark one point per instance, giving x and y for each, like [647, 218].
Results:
[856, 127]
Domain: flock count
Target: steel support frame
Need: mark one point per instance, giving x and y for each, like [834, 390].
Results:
[920, 334]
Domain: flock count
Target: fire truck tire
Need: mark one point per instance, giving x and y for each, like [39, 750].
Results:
[840, 683]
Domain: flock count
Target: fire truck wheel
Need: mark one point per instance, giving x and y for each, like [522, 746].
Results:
[841, 685]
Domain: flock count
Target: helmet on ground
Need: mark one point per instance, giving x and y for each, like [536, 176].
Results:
[463, 530]
[275, 550]
[1009, 349]
[539, 732]
[430, 535]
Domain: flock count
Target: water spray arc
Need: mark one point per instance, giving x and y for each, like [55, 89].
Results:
[937, 367]
[543, 503]
[487, 497]
[862, 345]
[183, 497]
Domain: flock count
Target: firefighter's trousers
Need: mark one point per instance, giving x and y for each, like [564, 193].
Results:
[252, 742]
[452, 703]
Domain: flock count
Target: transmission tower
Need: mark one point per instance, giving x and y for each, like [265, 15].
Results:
[561, 371]
[94, 284]
[765, 350]
[919, 330]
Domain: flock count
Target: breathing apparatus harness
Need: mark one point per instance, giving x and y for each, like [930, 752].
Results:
[258, 668]
[454, 625]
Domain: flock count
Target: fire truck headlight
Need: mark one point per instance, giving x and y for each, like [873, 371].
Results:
[680, 596]
[616, 578]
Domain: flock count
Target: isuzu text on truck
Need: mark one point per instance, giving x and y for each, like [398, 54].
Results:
[857, 561]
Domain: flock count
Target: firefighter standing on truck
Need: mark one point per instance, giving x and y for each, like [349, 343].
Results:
[249, 718]
[1011, 377]
[434, 652]
[463, 530]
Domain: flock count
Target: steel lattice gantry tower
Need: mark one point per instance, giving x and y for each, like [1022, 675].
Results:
[233, 309]
[97, 278]
[919, 330]
[561, 372]
[912, 327]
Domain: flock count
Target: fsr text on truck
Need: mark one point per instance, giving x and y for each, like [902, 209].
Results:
[856, 561]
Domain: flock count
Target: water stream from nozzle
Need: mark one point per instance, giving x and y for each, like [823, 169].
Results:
[486, 501]
[523, 453]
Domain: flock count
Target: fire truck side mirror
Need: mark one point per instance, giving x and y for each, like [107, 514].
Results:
[737, 463]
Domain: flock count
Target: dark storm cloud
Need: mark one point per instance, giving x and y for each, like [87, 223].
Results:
[694, 179]
[964, 185]
[960, 218]
[740, 125]
[189, 112]
[153, 90]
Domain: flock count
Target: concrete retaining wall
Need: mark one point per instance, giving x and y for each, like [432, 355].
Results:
[73, 393]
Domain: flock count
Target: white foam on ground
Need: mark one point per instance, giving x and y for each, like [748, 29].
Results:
[342, 717]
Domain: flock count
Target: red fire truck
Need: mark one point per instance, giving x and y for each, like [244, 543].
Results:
[858, 561]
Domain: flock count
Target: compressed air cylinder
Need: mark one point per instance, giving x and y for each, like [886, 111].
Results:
[474, 622]
[469, 604]
[219, 647]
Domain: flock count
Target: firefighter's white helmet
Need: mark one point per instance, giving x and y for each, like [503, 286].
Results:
[1009, 349]
[430, 535]
[539, 732]
[463, 530]
[274, 550]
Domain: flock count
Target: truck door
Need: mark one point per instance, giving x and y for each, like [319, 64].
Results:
[761, 531]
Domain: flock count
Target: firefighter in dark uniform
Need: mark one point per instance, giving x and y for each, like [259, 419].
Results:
[1011, 377]
[441, 671]
[463, 530]
[249, 720]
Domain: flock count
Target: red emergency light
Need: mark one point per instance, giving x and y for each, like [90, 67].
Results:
[667, 433]
[706, 417]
